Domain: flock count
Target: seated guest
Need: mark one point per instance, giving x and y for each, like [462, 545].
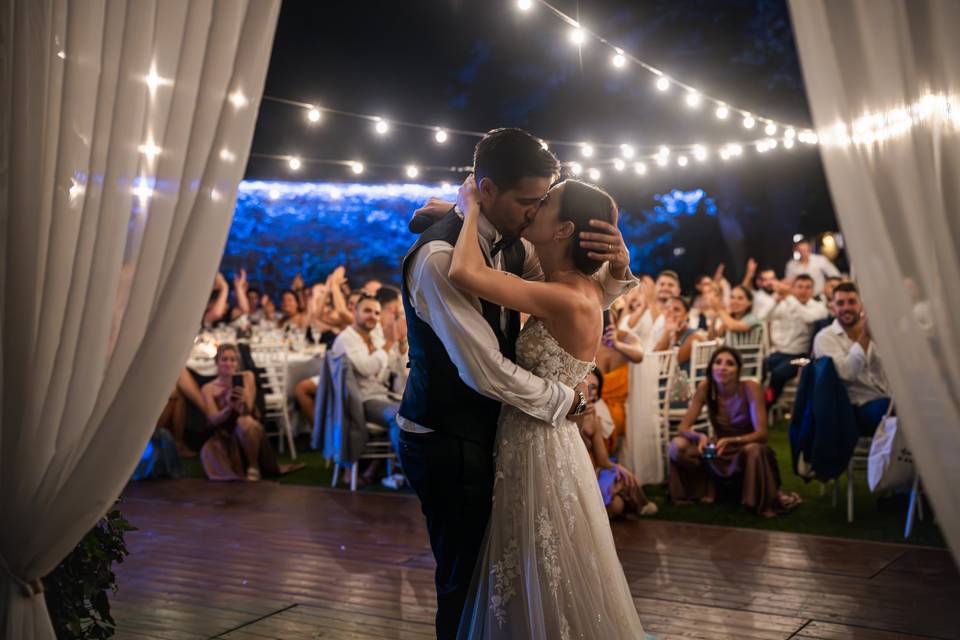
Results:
[739, 418]
[174, 418]
[238, 448]
[848, 342]
[327, 310]
[374, 355]
[620, 489]
[817, 266]
[292, 314]
[737, 317]
[791, 331]
[827, 297]
[248, 300]
[764, 295]
[617, 350]
[218, 304]
[677, 332]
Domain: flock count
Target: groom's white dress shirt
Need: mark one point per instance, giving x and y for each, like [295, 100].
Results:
[457, 319]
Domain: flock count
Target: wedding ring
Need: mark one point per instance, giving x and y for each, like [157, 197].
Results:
[609, 247]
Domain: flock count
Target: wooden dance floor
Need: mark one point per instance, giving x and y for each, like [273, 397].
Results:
[252, 562]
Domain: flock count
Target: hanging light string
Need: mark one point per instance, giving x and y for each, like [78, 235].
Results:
[663, 82]
[382, 126]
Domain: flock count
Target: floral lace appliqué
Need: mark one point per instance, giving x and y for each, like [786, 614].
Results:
[504, 575]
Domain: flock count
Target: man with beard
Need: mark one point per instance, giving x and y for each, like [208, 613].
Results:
[847, 341]
[763, 297]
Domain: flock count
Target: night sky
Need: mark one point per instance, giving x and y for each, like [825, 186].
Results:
[483, 64]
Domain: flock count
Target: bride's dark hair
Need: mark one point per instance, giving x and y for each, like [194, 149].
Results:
[581, 203]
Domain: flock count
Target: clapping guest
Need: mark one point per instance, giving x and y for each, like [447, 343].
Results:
[791, 330]
[817, 266]
[739, 417]
[617, 350]
[248, 299]
[218, 305]
[764, 294]
[677, 332]
[737, 317]
[292, 315]
[238, 448]
[620, 489]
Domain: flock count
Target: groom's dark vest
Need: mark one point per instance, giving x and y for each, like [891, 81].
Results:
[435, 396]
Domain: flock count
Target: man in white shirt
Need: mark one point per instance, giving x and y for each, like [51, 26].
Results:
[812, 264]
[848, 342]
[374, 355]
[791, 329]
[763, 296]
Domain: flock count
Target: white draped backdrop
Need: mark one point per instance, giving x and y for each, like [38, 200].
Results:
[124, 132]
[895, 182]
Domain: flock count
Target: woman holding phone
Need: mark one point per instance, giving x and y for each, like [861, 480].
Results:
[238, 448]
[617, 350]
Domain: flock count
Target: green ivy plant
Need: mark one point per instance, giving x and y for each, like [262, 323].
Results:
[77, 590]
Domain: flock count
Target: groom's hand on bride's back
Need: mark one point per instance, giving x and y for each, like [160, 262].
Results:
[433, 210]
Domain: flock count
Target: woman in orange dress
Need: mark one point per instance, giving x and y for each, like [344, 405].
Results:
[617, 350]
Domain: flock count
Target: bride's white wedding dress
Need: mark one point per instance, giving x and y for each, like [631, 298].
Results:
[548, 568]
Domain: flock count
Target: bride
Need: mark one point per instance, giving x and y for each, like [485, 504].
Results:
[548, 568]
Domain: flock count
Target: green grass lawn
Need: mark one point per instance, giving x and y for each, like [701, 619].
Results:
[817, 515]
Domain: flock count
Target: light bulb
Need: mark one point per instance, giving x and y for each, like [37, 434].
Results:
[663, 150]
[748, 122]
[356, 167]
[524, 5]
[618, 60]
[274, 194]
[587, 150]
[700, 152]
[663, 83]
[594, 174]
[693, 99]
[736, 150]
[313, 115]
[788, 143]
[382, 126]
[639, 168]
[575, 168]
[577, 36]
[722, 112]
[294, 163]
[682, 161]
[627, 150]
[440, 136]
[770, 129]
[412, 172]
[790, 132]
[544, 145]
[662, 161]
[619, 164]
[724, 154]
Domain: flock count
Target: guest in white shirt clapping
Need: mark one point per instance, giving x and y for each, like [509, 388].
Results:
[791, 330]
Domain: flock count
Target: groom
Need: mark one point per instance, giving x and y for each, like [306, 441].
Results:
[462, 352]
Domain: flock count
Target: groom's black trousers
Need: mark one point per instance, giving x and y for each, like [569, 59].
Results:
[454, 480]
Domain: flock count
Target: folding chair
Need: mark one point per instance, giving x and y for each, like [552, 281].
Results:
[272, 358]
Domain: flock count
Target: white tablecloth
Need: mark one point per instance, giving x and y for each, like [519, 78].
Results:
[300, 365]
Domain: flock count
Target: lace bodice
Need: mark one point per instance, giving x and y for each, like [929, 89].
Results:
[539, 353]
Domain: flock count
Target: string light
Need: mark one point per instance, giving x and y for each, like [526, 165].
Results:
[627, 151]
[722, 112]
[788, 143]
[524, 5]
[770, 129]
[619, 164]
[356, 167]
[594, 174]
[381, 126]
[313, 115]
[693, 99]
[663, 83]
[412, 172]
[748, 122]
[790, 133]
[618, 60]
[575, 168]
[682, 161]
[662, 161]
[587, 150]
[577, 36]
[294, 163]
[639, 168]
[700, 152]
[440, 136]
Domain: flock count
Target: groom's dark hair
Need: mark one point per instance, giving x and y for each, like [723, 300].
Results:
[507, 156]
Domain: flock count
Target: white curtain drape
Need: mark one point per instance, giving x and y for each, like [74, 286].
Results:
[889, 71]
[125, 129]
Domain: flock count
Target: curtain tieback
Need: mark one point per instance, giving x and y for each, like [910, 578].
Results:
[28, 588]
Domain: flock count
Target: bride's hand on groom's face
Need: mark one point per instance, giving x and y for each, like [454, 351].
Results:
[605, 243]
[468, 198]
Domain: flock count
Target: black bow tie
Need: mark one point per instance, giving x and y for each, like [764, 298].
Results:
[500, 245]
